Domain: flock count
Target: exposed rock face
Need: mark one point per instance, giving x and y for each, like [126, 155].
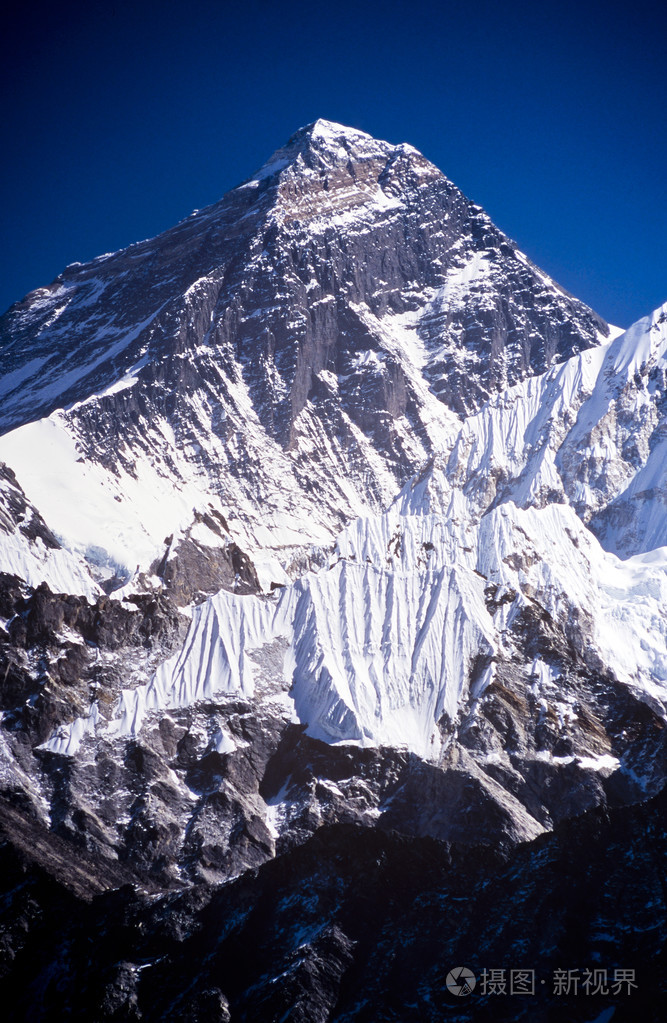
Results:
[15, 512]
[59, 653]
[190, 569]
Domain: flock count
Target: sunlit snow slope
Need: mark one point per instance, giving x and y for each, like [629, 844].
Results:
[590, 433]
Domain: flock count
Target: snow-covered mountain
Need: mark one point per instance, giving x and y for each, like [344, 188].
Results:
[280, 362]
[420, 610]
[589, 433]
[326, 509]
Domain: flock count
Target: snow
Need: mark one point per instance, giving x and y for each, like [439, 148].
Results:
[115, 521]
[267, 171]
[331, 131]
[126, 381]
[562, 437]
[15, 380]
[657, 557]
[380, 645]
[605, 763]
[223, 742]
[36, 563]
[109, 342]
[119, 521]
[67, 738]
[30, 558]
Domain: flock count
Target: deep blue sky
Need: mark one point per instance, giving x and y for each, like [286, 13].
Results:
[118, 122]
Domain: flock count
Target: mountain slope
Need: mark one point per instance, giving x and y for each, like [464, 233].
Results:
[29, 549]
[589, 433]
[284, 359]
[493, 643]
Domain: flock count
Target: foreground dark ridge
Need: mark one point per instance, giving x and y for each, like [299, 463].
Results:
[356, 925]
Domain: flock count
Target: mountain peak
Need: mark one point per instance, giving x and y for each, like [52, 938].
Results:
[332, 131]
[325, 143]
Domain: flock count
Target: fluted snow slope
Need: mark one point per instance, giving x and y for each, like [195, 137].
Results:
[388, 643]
[398, 633]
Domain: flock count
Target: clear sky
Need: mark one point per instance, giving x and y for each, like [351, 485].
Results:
[118, 121]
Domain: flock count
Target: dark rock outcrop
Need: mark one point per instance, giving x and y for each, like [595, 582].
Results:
[359, 925]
